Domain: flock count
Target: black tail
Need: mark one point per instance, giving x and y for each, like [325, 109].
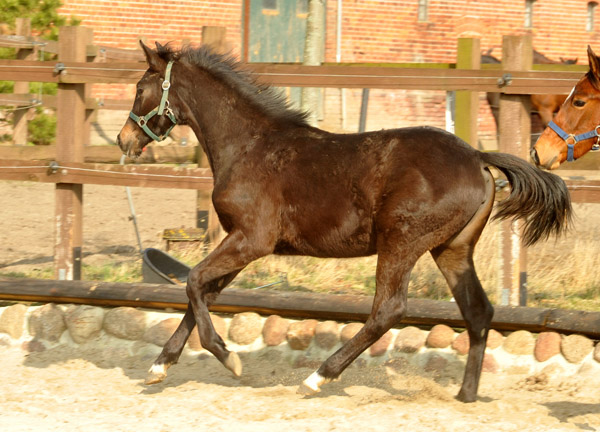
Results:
[539, 198]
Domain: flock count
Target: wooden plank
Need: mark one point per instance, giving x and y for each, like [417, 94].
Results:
[573, 321]
[291, 304]
[70, 118]
[467, 102]
[313, 76]
[104, 174]
[22, 115]
[103, 153]
[515, 138]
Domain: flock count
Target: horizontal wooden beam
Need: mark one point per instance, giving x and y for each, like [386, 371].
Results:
[104, 174]
[104, 153]
[49, 101]
[291, 304]
[313, 76]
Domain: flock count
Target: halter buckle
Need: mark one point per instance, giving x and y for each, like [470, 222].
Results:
[571, 136]
[596, 145]
[166, 85]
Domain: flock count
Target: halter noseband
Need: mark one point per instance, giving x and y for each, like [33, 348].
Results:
[576, 138]
[162, 108]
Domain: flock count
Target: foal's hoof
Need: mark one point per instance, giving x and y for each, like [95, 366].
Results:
[234, 364]
[312, 384]
[156, 374]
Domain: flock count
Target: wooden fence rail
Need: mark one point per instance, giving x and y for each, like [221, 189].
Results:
[297, 305]
[286, 75]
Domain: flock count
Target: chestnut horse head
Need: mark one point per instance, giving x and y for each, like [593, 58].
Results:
[575, 128]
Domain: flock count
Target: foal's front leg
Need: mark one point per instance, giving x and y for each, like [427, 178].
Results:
[205, 282]
[174, 346]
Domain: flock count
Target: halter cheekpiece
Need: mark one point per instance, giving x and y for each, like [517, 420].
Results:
[162, 108]
[576, 138]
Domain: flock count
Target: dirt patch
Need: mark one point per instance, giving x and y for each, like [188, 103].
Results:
[27, 236]
[91, 388]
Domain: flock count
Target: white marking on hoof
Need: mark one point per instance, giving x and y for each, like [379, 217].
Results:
[234, 364]
[156, 374]
[312, 384]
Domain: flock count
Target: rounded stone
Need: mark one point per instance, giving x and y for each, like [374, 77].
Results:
[159, 333]
[495, 339]
[327, 334]
[410, 339]
[84, 322]
[220, 327]
[349, 331]
[576, 347]
[435, 363]
[440, 336]
[520, 342]
[47, 322]
[33, 346]
[245, 328]
[301, 333]
[274, 330]
[490, 364]
[125, 323]
[12, 320]
[547, 346]
[380, 347]
[461, 343]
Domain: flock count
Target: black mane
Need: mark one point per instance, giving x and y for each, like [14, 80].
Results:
[270, 100]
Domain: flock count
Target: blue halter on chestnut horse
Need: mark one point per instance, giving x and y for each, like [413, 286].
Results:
[284, 187]
[575, 129]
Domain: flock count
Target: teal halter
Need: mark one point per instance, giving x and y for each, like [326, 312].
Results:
[162, 108]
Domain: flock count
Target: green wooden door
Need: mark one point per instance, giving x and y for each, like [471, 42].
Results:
[277, 33]
[277, 30]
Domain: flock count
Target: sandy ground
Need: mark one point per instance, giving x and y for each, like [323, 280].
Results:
[27, 215]
[100, 388]
[92, 389]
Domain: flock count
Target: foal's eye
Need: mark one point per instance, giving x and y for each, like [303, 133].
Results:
[578, 103]
[139, 91]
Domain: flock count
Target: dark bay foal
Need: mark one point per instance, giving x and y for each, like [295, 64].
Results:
[284, 187]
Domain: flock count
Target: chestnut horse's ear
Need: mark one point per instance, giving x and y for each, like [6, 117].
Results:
[594, 62]
[155, 62]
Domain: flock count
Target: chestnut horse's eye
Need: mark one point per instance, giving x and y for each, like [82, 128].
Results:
[139, 91]
[578, 103]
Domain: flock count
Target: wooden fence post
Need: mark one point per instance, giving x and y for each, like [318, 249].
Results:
[515, 138]
[22, 115]
[215, 38]
[468, 56]
[70, 127]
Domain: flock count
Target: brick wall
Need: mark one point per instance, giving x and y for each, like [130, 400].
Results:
[372, 31]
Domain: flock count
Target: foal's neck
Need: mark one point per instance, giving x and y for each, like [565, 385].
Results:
[225, 124]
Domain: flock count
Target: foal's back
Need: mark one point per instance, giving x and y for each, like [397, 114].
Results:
[338, 193]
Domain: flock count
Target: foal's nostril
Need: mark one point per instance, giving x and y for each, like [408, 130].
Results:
[534, 157]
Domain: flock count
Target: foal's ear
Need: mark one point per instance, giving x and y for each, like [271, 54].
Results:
[594, 62]
[155, 62]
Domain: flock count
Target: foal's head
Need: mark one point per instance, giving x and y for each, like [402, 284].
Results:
[152, 116]
[574, 129]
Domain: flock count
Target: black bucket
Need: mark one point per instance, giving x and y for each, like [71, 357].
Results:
[160, 267]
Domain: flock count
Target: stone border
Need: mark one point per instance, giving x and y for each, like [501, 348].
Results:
[305, 342]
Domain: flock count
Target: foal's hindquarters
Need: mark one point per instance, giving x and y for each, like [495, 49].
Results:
[454, 257]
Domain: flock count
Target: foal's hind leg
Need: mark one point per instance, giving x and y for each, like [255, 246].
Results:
[455, 260]
[389, 305]
[174, 346]
[457, 267]
[205, 282]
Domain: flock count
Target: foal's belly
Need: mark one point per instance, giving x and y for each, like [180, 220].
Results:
[339, 237]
